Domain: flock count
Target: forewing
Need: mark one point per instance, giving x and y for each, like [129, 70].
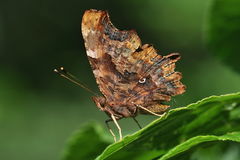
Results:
[104, 44]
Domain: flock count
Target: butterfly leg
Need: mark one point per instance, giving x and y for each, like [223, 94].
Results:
[137, 122]
[139, 106]
[119, 128]
[110, 130]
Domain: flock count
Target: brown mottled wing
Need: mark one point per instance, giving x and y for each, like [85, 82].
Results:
[127, 72]
[102, 41]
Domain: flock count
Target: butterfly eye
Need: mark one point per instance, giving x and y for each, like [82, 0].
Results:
[142, 80]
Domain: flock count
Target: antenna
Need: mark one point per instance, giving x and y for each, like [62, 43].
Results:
[63, 73]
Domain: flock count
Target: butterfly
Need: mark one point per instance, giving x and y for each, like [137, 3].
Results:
[133, 78]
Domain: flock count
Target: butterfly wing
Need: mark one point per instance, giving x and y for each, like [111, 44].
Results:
[127, 72]
[103, 42]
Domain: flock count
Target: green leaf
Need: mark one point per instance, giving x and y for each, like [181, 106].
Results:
[234, 136]
[215, 118]
[86, 143]
[223, 31]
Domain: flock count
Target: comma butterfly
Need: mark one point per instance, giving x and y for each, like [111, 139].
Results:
[132, 77]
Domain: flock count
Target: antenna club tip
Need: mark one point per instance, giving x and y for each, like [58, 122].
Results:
[55, 70]
[62, 68]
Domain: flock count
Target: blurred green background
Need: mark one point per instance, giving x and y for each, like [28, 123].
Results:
[39, 110]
